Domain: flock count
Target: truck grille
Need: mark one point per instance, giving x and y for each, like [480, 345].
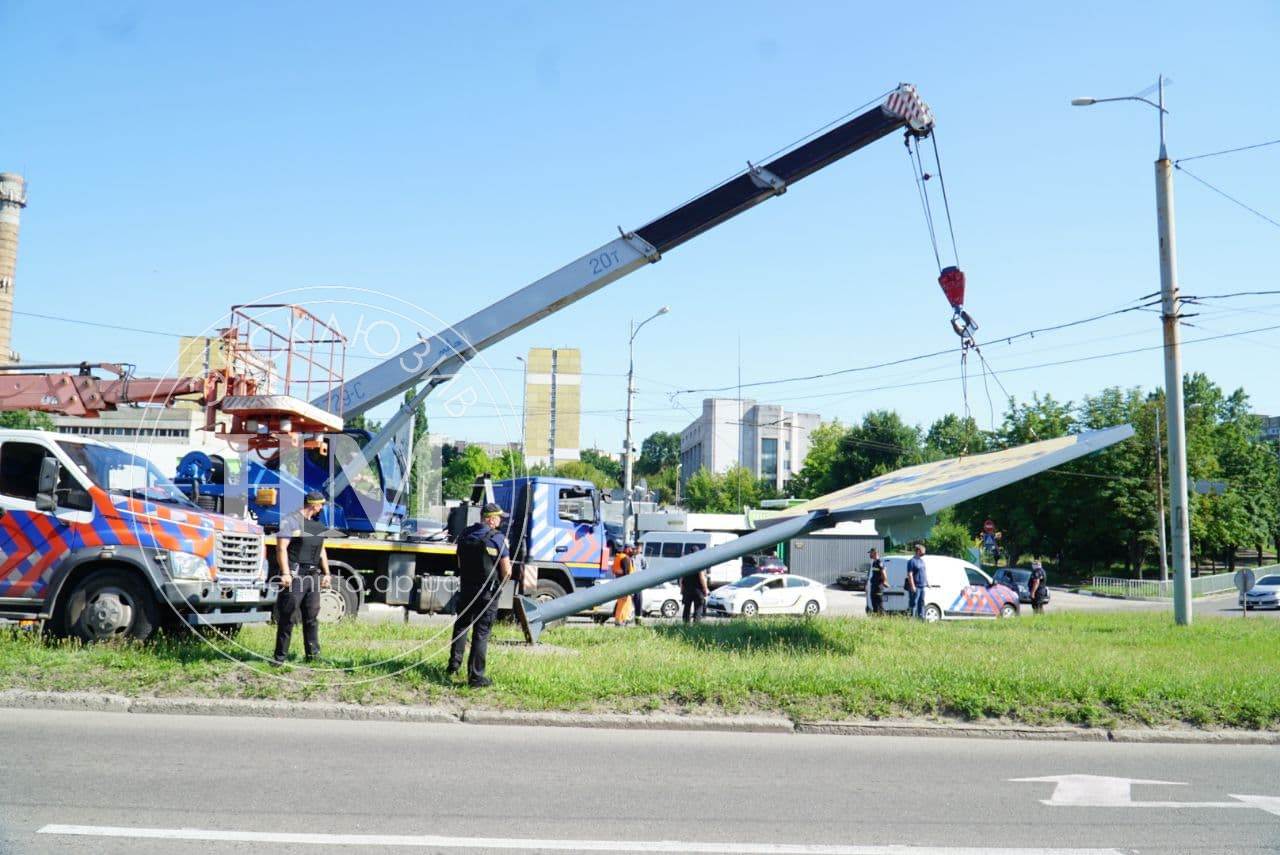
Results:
[239, 553]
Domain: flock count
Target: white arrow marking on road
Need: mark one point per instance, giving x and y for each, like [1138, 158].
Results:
[1104, 791]
[1091, 790]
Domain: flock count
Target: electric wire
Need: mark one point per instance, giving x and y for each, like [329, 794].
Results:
[946, 204]
[1226, 151]
[1224, 194]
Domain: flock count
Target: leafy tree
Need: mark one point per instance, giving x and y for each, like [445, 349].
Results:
[666, 484]
[953, 436]
[420, 459]
[604, 463]
[26, 420]
[949, 536]
[580, 470]
[462, 471]
[703, 492]
[817, 476]
[658, 451]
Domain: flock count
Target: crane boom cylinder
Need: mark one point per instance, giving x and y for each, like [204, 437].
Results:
[442, 355]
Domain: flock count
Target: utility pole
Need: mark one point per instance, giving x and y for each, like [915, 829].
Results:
[1170, 309]
[1164, 550]
[627, 450]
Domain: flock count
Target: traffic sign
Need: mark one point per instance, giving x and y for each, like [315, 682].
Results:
[989, 526]
[1244, 580]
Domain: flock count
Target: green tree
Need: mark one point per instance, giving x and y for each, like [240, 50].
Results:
[953, 436]
[817, 475]
[463, 469]
[949, 536]
[703, 492]
[580, 470]
[26, 420]
[604, 463]
[420, 458]
[658, 451]
[666, 484]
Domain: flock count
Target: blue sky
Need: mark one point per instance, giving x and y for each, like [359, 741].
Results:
[186, 157]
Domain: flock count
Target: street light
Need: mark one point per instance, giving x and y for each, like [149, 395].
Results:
[626, 448]
[1169, 312]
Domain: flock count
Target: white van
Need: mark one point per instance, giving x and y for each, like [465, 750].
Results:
[956, 589]
[659, 546]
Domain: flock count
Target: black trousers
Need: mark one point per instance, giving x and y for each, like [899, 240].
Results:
[877, 604]
[695, 607]
[476, 612]
[301, 599]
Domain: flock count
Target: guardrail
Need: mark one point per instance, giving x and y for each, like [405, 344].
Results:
[1154, 589]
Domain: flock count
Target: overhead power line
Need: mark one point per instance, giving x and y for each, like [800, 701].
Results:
[1226, 151]
[1224, 194]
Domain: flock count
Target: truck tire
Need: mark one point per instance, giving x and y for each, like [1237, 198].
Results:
[342, 600]
[109, 604]
[548, 590]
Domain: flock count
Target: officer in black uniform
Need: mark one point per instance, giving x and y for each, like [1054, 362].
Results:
[303, 570]
[484, 566]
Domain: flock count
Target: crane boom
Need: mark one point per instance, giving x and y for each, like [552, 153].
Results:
[440, 356]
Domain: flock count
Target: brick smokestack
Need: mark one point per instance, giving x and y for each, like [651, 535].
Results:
[13, 198]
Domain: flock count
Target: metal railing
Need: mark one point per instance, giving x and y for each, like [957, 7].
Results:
[1154, 589]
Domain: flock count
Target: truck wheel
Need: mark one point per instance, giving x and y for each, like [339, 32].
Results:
[341, 601]
[548, 590]
[109, 604]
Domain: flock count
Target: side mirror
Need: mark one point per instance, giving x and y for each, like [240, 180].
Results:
[47, 484]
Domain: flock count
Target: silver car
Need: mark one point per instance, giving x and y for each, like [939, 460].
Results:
[1265, 594]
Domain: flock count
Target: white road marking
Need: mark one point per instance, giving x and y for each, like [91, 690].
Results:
[1101, 791]
[530, 844]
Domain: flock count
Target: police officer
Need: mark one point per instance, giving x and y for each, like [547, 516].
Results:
[877, 581]
[484, 565]
[303, 572]
[1038, 586]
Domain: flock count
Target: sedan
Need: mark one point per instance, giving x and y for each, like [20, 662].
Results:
[1265, 594]
[854, 580]
[1019, 580]
[662, 600]
[762, 593]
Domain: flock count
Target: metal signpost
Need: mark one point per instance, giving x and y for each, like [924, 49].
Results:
[1244, 583]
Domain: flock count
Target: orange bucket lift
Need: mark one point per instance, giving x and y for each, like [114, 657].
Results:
[279, 358]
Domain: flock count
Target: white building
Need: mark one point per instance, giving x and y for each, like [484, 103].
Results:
[161, 435]
[769, 440]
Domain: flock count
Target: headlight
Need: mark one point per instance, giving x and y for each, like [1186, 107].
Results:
[184, 565]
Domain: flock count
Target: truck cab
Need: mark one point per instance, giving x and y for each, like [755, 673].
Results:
[556, 531]
[97, 543]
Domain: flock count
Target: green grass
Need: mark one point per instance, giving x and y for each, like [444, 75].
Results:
[1088, 669]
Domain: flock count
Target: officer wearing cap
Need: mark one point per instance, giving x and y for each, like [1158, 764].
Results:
[484, 566]
[303, 570]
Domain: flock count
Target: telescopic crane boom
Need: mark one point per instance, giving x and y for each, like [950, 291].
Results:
[437, 359]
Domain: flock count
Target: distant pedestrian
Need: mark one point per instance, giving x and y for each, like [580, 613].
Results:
[694, 591]
[484, 565]
[622, 566]
[917, 582]
[637, 599]
[1039, 587]
[303, 571]
[877, 580]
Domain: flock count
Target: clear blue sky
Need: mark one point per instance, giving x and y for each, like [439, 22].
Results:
[184, 157]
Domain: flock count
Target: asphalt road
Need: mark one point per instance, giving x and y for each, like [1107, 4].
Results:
[473, 788]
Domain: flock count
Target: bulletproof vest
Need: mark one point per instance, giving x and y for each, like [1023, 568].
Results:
[478, 558]
[305, 548]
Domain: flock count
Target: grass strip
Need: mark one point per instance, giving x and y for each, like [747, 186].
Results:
[1083, 669]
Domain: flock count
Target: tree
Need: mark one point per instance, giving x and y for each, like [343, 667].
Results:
[949, 536]
[26, 420]
[580, 470]
[420, 457]
[740, 490]
[604, 463]
[953, 436]
[817, 476]
[703, 492]
[462, 471]
[658, 451]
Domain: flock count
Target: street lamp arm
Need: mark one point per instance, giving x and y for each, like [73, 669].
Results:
[1089, 102]
[636, 330]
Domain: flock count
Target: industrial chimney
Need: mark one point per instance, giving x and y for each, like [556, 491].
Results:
[13, 198]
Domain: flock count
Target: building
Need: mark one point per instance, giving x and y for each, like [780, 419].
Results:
[1269, 426]
[552, 404]
[769, 440]
[161, 435]
[13, 198]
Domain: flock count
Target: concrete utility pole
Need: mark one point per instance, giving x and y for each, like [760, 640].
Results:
[1164, 550]
[1170, 309]
[629, 459]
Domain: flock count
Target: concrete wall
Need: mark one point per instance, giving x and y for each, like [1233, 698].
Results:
[825, 557]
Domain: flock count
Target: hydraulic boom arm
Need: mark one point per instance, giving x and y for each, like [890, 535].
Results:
[437, 359]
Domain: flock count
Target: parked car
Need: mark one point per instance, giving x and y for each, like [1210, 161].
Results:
[1019, 579]
[756, 564]
[662, 600]
[957, 589]
[854, 580]
[659, 547]
[1265, 594]
[769, 593]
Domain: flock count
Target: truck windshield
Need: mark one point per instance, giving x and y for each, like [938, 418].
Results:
[117, 471]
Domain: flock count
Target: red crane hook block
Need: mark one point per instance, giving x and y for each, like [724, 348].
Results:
[952, 282]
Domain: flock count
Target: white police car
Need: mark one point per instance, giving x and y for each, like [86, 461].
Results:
[1265, 594]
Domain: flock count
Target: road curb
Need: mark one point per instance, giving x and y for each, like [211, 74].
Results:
[957, 729]
[630, 721]
[242, 707]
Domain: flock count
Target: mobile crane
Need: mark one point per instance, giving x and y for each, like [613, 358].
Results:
[557, 529]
